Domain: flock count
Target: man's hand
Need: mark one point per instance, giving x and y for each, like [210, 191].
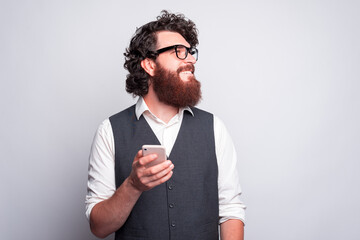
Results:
[144, 178]
[109, 215]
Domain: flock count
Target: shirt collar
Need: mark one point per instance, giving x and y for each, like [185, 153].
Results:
[141, 107]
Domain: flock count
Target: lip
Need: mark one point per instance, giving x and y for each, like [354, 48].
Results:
[185, 76]
[187, 72]
[188, 69]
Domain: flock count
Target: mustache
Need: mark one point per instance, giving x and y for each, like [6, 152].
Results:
[189, 67]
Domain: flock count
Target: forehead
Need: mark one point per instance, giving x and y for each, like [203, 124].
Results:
[167, 38]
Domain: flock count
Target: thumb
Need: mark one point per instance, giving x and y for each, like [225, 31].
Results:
[138, 155]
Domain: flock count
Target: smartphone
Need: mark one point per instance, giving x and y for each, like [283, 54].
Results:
[158, 149]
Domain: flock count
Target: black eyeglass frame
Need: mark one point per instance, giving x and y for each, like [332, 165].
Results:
[192, 50]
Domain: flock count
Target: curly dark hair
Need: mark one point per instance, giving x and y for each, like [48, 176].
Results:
[143, 45]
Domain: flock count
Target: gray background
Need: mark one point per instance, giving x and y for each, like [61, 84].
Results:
[282, 75]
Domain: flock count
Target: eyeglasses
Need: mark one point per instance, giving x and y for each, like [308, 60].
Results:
[181, 51]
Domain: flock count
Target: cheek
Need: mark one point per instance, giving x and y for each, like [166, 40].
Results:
[168, 64]
[171, 69]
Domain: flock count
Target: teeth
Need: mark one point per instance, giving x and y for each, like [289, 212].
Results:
[187, 72]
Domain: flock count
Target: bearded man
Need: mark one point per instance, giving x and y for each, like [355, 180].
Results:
[187, 196]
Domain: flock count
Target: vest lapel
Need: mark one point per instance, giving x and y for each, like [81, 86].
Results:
[143, 126]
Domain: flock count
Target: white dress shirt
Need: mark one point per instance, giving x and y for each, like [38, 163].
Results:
[101, 178]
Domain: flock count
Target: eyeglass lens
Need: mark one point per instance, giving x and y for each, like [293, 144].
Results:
[182, 52]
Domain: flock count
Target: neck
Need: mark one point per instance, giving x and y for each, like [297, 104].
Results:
[159, 109]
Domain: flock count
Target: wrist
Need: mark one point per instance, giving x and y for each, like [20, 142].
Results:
[131, 187]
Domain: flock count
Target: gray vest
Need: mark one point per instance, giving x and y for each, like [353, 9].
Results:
[187, 205]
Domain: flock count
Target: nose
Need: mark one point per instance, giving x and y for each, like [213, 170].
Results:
[190, 59]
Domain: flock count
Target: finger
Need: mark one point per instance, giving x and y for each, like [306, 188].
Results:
[147, 159]
[154, 173]
[143, 160]
[161, 180]
[158, 168]
[138, 156]
[154, 176]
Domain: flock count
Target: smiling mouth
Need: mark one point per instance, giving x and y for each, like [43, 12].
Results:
[186, 75]
[188, 69]
[187, 72]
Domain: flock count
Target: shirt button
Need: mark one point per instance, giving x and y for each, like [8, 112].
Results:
[171, 205]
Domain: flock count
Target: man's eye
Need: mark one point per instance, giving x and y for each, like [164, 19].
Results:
[181, 50]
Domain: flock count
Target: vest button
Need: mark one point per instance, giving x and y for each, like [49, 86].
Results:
[173, 224]
[171, 205]
[171, 187]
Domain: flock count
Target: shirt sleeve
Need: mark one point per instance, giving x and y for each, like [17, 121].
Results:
[230, 204]
[101, 176]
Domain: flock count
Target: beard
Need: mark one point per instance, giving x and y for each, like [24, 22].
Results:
[172, 90]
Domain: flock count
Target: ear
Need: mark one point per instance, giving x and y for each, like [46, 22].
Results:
[149, 66]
